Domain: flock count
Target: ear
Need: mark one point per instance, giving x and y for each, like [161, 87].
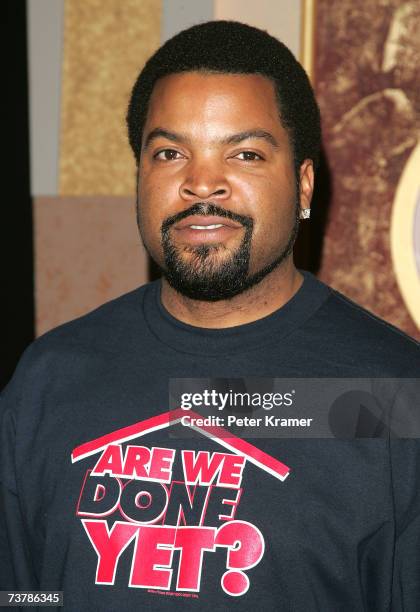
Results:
[306, 187]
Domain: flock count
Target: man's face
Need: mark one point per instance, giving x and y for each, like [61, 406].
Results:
[218, 198]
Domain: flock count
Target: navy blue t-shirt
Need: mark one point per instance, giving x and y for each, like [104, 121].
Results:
[100, 501]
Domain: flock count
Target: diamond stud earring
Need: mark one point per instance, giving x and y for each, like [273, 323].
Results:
[305, 213]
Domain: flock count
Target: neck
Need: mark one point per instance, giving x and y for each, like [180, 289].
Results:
[270, 294]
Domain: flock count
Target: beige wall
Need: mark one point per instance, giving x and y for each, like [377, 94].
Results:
[88, 251]
[281, 18]
[87, 248]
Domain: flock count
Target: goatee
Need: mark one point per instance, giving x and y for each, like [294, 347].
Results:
[204, 276]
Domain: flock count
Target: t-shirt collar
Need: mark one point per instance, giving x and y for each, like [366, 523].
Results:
[187, 338]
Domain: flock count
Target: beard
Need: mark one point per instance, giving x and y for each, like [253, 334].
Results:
[213, 272]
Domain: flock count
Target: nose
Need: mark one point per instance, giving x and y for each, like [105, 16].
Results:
[203, 181]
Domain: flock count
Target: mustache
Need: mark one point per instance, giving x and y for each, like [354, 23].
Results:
[209, 209]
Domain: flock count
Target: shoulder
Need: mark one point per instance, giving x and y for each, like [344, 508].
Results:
[377, 345]
[98, 335]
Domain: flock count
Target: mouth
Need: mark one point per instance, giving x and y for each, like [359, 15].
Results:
[199, 228]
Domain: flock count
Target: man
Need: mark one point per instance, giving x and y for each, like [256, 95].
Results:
[101, 499]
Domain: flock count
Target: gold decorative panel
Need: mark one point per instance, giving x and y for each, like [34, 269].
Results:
[106, 43]
[367, 81]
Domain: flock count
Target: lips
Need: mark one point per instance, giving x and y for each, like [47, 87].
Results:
[207, 222]
[201, 229]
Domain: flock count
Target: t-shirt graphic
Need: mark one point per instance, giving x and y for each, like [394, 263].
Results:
[170, 499]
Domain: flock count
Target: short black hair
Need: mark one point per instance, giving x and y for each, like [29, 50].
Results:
[236, 48]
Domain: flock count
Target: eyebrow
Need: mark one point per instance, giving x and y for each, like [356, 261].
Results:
[232, 139]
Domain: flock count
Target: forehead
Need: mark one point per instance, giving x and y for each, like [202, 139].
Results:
[193, 100]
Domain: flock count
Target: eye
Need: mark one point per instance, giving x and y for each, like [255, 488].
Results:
[249, 156]
[167, 155]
